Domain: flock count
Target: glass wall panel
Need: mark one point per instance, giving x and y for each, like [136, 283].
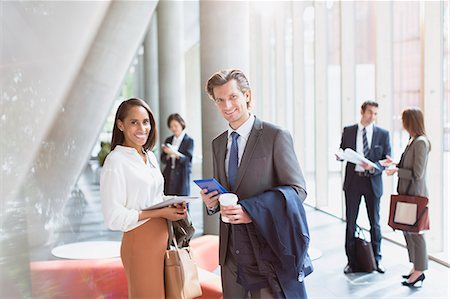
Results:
[365, 50]
[309, 167]
[365, 60]
[446, 132]
[334, 107]
[407, 64]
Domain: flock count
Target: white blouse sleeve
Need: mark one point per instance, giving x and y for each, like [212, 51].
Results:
[113, 194]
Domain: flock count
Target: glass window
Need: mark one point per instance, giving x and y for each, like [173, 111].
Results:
[309, 167]
[365, 52]
[446, 111]
[334, 106]
[407, 65]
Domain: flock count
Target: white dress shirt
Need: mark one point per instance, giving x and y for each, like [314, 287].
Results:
[244, 132]
[176, 141]
[359, 142]
[127, 186]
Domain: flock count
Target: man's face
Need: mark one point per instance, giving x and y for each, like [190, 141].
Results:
[232, 103]
[369, 115]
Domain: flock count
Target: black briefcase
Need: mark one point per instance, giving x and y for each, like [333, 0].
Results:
[364, 253]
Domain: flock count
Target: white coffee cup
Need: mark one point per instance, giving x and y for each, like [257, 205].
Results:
[227, 199]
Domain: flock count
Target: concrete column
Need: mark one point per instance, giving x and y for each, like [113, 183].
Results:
[52, 147]
[224, 43]
[151, 86]
[171, 62]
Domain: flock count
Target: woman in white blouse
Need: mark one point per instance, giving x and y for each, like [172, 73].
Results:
[130, 182]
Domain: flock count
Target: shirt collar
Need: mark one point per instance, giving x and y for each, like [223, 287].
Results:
[179, 137]
[369, 127]
[245, 128]
[126, 149]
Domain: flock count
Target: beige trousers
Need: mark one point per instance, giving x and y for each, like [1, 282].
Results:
[142, 254]
[417, 250]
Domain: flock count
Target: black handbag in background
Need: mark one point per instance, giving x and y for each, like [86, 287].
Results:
[364, 253]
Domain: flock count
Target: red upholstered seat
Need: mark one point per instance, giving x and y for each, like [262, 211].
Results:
[206, 251]
[105, 278]
[79, 279]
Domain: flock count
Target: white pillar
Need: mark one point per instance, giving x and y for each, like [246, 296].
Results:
[171, 62]
[434, 121]
[224, 43]
[151, 86]
[348, 97]
[299, 80]
[348, 64]
[321, 110]
[384, 88]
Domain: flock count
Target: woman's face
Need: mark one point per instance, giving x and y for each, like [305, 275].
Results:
[135, 127]
[175, 128]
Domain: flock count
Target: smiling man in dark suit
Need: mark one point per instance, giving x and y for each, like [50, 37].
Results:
[251, 157]
[373, 142]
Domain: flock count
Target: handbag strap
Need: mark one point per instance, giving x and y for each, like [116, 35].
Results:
[359, 231]
[171, 240]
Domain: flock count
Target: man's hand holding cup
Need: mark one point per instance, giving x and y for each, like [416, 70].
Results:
[231, 211]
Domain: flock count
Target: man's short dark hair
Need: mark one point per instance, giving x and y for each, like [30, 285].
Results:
[368, 103]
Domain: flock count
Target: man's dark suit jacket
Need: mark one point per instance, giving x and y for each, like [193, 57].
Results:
[268, 161]
[177, 181]
[279, 216]
[379, 148]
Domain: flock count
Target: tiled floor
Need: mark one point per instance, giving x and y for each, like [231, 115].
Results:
[329, 281]
[84, 222]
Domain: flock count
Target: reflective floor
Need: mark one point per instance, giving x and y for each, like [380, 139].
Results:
[85, 223]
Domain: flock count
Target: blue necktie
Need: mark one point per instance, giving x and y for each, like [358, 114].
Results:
[365, 143]
[233, 162]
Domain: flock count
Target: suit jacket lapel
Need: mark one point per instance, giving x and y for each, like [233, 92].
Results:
[354, 133]
[252, 141]
[182, 144]
[221, 154]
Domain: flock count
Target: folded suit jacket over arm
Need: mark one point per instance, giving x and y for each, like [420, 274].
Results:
[280, 218]
[269, 161]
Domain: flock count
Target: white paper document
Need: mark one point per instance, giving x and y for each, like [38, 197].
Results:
[170, 200]
[351, 156]
[172, 148]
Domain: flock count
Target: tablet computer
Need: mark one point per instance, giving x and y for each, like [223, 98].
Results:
[170, 200]
[211, 185]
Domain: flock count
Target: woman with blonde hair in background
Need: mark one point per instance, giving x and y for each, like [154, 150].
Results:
[130, 182]
[411, 172]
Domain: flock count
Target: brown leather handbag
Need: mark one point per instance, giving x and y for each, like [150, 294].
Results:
[409, 213]
[180, 271]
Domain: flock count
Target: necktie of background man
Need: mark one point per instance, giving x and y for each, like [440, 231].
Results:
[233, 162]
[365, 143]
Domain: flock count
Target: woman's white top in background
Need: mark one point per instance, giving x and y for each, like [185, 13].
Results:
[176, 142]
[127, 186]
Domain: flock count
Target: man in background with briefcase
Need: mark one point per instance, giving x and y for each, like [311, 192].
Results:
[372, 142]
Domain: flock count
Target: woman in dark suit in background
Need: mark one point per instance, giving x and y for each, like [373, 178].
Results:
[177, 157]
[411, 172]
